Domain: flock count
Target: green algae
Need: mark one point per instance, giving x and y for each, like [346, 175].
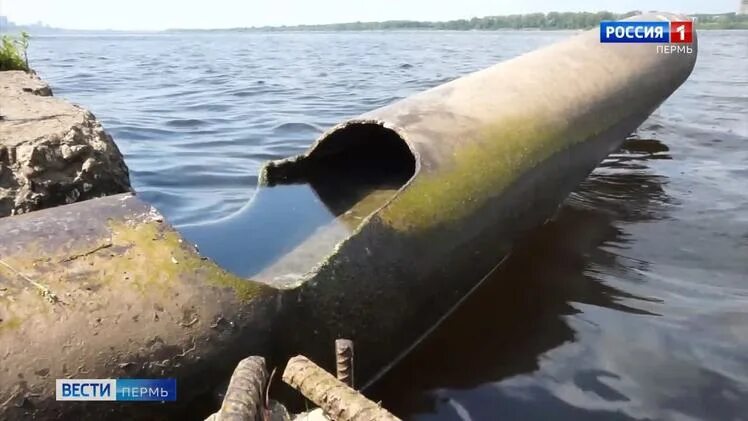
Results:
[479, 170]
[12, 323]
[244, 289]
[498, 157]
[147, 256]
[170, 259]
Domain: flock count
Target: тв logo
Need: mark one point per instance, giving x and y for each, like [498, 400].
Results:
[681, 32]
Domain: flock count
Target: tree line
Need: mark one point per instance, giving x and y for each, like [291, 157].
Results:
[540, 21]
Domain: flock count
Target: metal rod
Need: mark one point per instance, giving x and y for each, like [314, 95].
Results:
[344, 361]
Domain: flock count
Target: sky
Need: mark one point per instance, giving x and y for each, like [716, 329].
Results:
[165, 14]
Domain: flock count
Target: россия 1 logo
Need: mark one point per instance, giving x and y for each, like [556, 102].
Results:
[660, 32]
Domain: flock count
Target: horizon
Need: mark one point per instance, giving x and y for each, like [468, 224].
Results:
[127, 16]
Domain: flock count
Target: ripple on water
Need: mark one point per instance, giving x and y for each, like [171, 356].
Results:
[186, 122]
[295, 129]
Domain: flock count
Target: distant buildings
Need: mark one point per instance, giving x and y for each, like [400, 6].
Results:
[743, 10]
[7, 26]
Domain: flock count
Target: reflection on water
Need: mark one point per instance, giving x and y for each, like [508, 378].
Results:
[272, 224]
[288, 228]
[295, 221]
[490, 358]
[622, 186]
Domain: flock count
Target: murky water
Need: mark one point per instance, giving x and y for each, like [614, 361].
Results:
[631, 304]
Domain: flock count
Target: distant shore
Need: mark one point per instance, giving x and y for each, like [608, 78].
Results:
[553, 21]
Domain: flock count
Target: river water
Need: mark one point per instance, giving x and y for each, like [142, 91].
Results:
[631, 304]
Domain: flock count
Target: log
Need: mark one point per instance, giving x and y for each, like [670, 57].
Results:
[338, 401]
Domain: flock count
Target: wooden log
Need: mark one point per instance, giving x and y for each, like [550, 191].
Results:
[338, 401]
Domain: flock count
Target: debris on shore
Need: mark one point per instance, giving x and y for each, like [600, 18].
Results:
[247, 396]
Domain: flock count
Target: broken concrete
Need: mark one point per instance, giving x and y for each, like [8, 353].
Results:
[51, 151]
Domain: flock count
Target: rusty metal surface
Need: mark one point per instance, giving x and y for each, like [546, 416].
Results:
[344, 363]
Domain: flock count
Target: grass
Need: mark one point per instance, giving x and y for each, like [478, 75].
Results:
[13, 52]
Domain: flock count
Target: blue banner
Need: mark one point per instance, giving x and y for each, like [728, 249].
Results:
[146, 390]
[633, 31]
[132, 390]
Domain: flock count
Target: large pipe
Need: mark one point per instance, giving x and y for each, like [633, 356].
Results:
[104, 288]
[496, 152]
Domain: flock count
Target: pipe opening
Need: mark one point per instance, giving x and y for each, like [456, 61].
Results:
[306, 206]
[351, 164]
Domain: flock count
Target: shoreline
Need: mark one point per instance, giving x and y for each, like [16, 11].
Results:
[539, 21]
[307, 31]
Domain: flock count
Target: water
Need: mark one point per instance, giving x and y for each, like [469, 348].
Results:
[297, 217]
[631, 304]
